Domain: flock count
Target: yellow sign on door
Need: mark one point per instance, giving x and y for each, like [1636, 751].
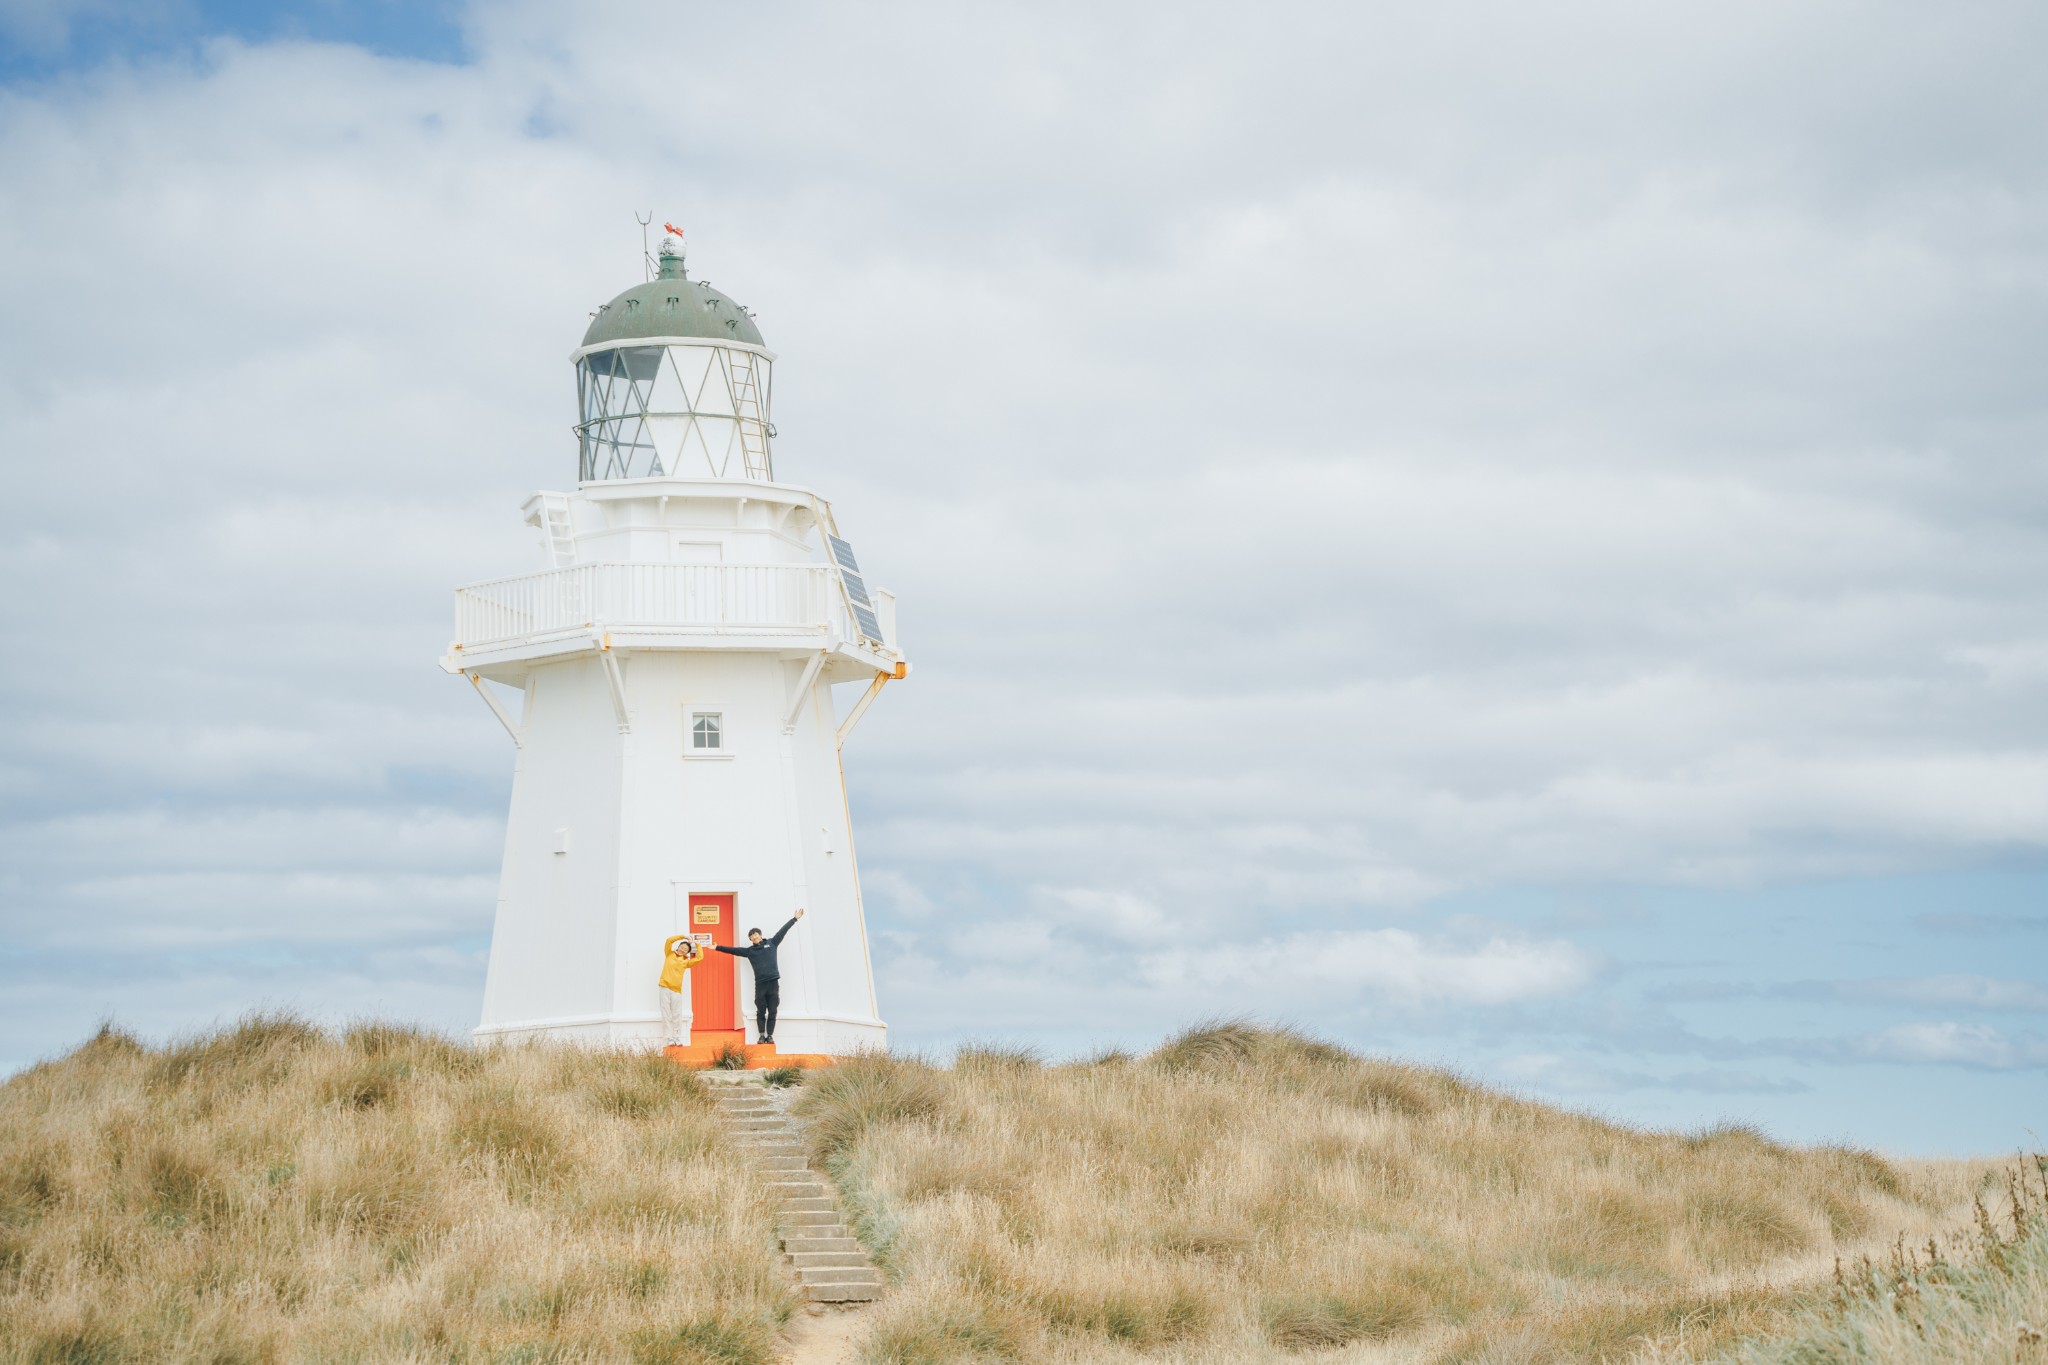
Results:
[705, 914]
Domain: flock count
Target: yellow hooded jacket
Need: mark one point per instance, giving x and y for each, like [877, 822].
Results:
[673, 967]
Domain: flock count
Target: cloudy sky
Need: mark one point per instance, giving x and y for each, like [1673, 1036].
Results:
[1506, 535]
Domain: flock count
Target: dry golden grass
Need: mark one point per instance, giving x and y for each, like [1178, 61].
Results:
[1249, 1195]
[272, 1193]
[1976, 1297]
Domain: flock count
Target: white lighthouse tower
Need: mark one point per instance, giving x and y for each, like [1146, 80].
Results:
[678, 749]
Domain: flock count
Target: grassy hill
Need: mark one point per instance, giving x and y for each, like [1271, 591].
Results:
[271, 1193]
[1248, 1195]
[274, 1193]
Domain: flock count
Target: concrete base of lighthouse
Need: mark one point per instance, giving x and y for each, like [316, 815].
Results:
[752, 1056]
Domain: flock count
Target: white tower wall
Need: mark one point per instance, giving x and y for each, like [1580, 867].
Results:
[611, 832]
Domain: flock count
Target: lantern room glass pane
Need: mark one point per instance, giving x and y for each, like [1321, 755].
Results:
[649, 411]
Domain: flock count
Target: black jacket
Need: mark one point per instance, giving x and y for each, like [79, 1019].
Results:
[762, 956]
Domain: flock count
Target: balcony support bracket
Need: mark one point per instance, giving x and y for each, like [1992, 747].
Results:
[617, 679]
[860, 708]
[497, 709]
[803, 692]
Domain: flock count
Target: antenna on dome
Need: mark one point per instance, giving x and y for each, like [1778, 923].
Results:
[646, 256]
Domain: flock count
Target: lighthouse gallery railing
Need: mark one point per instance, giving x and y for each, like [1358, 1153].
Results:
[728, 596]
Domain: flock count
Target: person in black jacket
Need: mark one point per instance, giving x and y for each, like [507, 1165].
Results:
[760, 955]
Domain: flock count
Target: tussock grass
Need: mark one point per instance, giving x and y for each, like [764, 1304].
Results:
[1248, 1194]
[274, 1193]
[1978, 1294]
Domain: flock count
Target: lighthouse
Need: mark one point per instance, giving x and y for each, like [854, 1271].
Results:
[677, 739]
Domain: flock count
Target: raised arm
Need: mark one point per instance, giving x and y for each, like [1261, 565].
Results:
[776, 942]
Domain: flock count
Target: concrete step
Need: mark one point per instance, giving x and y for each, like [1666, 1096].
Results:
[842, 1293]
[830, 1264]
[813, 1260]
[840, 1280]
[809, 1218]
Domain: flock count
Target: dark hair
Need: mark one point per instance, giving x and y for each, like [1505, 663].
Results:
[752, 932]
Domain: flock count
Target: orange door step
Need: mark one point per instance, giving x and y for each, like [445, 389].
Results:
[704, 1050]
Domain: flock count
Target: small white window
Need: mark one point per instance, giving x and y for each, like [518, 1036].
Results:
[705, 734]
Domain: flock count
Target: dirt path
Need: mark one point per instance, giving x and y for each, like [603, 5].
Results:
[825, 1338]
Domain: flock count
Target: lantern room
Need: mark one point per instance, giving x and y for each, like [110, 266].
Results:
[672, 381]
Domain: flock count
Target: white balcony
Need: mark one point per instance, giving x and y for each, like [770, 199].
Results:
[723, 603]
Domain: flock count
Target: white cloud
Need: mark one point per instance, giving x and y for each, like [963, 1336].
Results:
[1114, 915]
[1950, 1043]
[1571, 1076]
[1394, 964]
[1327, 466]
[1951, 990]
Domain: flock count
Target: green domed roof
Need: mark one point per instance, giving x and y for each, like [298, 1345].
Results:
[672, 306]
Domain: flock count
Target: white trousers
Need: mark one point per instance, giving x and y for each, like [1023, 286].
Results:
[675, 1017]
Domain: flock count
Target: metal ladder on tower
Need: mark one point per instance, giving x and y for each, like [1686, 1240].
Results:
[557, 530]
[746, 406]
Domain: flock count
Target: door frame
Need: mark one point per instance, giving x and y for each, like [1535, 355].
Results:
[735, 887]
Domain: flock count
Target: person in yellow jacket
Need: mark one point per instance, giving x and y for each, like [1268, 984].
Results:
[678, 955]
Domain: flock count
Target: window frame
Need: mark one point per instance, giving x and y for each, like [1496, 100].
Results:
[722, 714]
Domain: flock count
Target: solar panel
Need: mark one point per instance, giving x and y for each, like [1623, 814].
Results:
[856, 591]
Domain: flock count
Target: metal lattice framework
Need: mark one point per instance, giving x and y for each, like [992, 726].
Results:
[674, 410]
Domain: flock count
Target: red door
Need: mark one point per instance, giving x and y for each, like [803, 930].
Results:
[714, 1000]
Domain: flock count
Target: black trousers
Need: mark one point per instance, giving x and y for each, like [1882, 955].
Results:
[767, 1000]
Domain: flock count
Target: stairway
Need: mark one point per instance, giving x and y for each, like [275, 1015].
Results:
[829, 1263]
[558, 529]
